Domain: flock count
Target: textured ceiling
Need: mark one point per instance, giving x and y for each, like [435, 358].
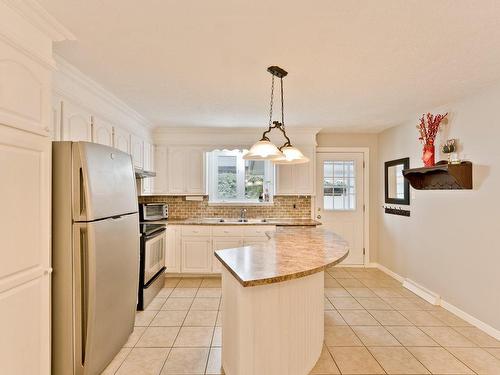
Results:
[353, 65]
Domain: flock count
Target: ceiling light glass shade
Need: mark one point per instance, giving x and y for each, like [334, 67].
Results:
[263, 150]
[291, 155]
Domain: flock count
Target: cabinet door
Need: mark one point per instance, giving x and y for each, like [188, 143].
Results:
[121, 139]
[285, 183]
[146, 183]
[137, 151]
[76, 123]
[220, 243]
[195, 170]
[25, 252]
[55, 132]
[173, 250]
[160, 185]
[196, 255]
[102, 132]
[177, 172]
[304, 173]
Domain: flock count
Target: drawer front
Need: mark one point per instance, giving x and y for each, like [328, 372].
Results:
[258, 230]
[196, 230]
[227, 231]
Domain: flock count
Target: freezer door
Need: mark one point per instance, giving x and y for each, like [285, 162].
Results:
[107, 276]
[103, 182]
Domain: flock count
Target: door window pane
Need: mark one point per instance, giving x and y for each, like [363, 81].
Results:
[339, 185]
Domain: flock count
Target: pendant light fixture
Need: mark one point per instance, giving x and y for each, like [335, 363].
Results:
[265, 149]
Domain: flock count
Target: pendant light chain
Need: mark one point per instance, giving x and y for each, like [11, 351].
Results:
[271, 103]
[282, 105]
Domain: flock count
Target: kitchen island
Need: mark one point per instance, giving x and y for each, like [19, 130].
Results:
[273, 301]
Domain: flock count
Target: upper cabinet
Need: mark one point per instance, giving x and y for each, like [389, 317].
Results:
[121, 140]
[137, 151]
[102, 132]
[76, 123]
[297, 179]
[179, 170]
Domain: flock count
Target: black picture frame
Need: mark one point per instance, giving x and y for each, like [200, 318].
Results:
[406, 164]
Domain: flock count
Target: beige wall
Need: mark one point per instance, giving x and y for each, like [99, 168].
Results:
[361, 140]
[450, 244]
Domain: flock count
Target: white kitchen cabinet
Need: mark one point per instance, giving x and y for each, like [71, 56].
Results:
[137, 151]
[160, 185]
[195, 183]
[102, 131]
[55, 131]
[173, 249]
[121, 139]
[297, 179]
[147, 183]
[196, 254]
[220, 243]
[186, 171]
[76, 123]
[177, 174]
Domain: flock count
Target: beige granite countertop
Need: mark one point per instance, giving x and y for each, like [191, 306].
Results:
[234, 221]
[291, 252]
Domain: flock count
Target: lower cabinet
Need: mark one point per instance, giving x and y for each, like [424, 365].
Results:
[220, 243]
[196, 255]
[173, 249]
[190, 248]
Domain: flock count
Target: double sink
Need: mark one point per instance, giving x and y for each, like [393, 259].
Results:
[221, 220]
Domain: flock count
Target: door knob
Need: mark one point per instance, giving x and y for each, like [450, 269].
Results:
[318, 217]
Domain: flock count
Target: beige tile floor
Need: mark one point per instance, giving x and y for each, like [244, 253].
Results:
[372, 326]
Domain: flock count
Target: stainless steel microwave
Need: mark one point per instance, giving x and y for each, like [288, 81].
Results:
[153, 211]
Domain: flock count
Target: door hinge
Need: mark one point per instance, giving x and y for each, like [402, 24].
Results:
[364, 251]
[363, 164]
[364, 207]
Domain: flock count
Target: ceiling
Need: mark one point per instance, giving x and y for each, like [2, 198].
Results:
[353, 65]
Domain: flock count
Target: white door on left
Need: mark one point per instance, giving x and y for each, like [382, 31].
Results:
[24, 252]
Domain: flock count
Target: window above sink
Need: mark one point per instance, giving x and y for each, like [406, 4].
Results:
[235, 181]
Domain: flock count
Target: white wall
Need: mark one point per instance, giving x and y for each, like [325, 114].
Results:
[450, 244]
[369, 140]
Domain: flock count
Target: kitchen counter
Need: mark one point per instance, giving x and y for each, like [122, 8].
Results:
[234, 221]
[290, 253]
[274, 301]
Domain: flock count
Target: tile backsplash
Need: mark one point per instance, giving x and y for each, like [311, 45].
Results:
[295, 207]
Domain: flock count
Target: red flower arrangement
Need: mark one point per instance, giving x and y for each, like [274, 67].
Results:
[428, 129]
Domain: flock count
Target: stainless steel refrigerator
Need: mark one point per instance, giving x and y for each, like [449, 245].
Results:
[95, 255]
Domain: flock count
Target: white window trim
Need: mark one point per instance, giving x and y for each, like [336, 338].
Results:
[212, 182]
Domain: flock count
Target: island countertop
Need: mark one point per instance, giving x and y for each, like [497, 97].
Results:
[290, 253]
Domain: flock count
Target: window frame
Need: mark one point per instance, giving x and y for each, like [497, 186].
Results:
[212, 180]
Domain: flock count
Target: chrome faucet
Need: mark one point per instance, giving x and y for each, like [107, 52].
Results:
[243, 214]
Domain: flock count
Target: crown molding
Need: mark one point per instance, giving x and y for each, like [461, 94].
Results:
[37, 16]
[70, 72]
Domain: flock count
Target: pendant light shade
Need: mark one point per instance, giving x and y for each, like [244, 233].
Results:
[291, 155]
[263, 150]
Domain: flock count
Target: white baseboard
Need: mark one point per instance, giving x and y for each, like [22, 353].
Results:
[470, 319]
[435, 299]
[386, 270]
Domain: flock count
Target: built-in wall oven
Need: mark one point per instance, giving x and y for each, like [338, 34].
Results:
[153, 211]
[152, 263]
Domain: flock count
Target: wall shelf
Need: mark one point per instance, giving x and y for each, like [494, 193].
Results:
[442, 176]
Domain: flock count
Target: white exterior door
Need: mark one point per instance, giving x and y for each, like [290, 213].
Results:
[340, 199]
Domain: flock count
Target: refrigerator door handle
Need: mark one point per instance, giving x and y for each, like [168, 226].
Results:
[81, 277]
[79, 201]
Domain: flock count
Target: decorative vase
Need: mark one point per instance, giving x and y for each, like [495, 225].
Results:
[428, 155]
